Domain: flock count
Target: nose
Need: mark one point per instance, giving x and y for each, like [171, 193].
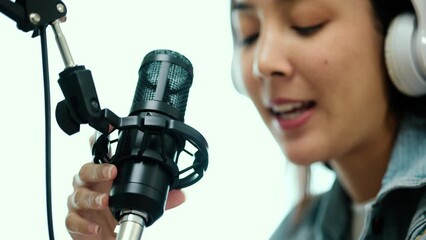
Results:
[272, 58]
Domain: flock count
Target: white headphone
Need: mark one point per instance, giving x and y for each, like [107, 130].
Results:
[405, 51]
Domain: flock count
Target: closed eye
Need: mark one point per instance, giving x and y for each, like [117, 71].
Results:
[249, 40]
[308, 30]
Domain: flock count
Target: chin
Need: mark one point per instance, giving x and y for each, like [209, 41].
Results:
[301, 157]
[300, 162]
[303, 154]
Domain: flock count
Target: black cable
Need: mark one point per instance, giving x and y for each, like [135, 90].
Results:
[48, 134]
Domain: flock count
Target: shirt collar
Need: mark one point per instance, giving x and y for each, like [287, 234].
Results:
[407, 168]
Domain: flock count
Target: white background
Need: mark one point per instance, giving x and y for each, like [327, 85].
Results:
[248, 187]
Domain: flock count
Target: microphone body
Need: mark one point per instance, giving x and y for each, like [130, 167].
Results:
[146, 156]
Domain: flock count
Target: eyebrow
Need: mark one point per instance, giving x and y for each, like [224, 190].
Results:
[235, 6]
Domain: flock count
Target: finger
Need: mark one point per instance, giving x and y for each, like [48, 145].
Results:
[175, 198]
[76, 225]
[83, 198]
[94, 173]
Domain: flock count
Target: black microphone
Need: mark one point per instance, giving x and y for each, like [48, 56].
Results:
[150, 142]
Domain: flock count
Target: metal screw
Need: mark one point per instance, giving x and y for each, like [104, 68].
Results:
[34, 18]
[95, 105]
[60, 7]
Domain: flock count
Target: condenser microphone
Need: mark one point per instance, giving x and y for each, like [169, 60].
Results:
[150, 142]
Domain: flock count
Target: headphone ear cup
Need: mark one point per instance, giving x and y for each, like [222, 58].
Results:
[400, 57]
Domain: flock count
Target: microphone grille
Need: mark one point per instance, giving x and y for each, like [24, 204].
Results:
[165, 76]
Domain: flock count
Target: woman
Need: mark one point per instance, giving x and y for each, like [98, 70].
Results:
[315, 71]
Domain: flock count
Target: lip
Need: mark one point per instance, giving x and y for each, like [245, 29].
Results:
[293, 123]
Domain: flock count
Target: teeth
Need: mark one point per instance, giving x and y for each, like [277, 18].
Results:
[282, 108]
[289, 116]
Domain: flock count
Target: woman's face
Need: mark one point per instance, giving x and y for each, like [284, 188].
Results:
[314, 70]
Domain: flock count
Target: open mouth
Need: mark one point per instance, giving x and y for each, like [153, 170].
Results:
[289, 111]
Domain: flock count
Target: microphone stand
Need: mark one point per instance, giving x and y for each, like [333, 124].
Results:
[75, 81]
[31, 15]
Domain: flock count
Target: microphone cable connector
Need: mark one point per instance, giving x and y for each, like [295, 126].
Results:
[131, 225]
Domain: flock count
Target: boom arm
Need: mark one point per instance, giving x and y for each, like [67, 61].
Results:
[30, 15]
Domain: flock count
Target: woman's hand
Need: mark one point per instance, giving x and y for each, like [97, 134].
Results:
[89, 216]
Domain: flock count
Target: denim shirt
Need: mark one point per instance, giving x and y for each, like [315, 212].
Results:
[399, 210]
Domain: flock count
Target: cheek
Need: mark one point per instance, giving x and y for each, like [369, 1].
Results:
[242, 68]
[245, 67]
[341, 69]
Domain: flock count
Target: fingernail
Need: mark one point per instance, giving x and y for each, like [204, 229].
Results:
[99, 200]
[93, 228]
[106, 172]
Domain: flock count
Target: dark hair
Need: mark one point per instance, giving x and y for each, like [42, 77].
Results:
[386, 11]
